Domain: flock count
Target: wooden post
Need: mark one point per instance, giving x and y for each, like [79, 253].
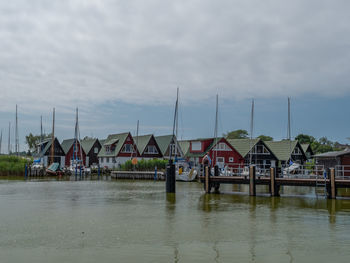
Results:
[207, 182]
[252, 188]
[272, 182]
[216, 170]
[333, 188]
[170, 177]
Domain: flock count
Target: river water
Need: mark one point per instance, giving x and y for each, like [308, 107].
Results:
[135, 221]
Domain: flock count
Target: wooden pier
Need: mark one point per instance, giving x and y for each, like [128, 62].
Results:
[137, 175]
[275, 181]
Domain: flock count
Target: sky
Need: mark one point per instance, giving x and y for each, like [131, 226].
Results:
[122, 61]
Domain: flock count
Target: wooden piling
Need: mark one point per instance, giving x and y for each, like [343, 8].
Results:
[332, 181]
[274, 189]
[252, 187]
[207, 188]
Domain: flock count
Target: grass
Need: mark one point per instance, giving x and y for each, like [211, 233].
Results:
[145, 165]
[12, 165]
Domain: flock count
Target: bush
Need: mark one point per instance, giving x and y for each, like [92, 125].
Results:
[13, 165]
[144, 165]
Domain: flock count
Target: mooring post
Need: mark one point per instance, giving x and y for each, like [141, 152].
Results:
[98, 171]
[252, 188]
[25, 171]
[332, 181]
[170, 177]
[216, 170]
[273, 187]
[207, 180]
[155, 173]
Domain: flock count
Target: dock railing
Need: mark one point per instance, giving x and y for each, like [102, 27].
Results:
[342, 172]
[303, 172]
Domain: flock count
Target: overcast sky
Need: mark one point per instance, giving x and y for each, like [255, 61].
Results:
[119, 61]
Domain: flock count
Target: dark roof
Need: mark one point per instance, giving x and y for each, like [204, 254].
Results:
[332, 154]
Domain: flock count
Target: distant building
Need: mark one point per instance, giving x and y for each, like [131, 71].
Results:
[73, 151]
[43, 152]
[147, 147]
[91, 147]
[254, 151]
[307, 150]
[117, 149]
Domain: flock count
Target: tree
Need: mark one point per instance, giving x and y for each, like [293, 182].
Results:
[237, 134]
[33, 140]
[265, 138]
[304, 138]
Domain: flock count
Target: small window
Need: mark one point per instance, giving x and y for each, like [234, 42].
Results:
[220, 159]
[196, 146]
[128, 148]
[108, 148]
[231, 159]
[107, 160]
[297, 151]
[151, 149]
[96, 150]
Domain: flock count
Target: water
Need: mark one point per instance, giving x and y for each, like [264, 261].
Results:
[135, 221]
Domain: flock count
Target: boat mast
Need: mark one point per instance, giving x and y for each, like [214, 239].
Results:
[251, 131]
[174, 123]
[177, 121]
[216, 129]
[9, 141]
[0, 141]
[41, 133]
[289, 130]
[16, 134]
[53, 137]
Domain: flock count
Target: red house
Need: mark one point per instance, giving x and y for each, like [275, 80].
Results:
[73, 151]
[219, 150]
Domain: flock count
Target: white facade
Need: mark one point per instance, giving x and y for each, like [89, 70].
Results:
[112, 162]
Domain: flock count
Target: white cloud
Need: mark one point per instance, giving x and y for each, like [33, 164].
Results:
[86, 53]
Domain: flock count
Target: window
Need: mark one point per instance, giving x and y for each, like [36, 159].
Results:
[128, 148]
[151, 149]
[260, 149]
[231, 159]
[222, 147]
[297, 151]
[196, 146]
[107, 160]
[108, 148]
[220, 159]
[173, 149]
[96, 150]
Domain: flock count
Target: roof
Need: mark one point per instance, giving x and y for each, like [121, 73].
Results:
[282, 149]
[87, 144]
[47, 147]
[67, 144]
[185, 146]
[142, 141]
[332, 154]
[163, 142]
[102, 141]
[306, 147]
[119, 139]
[200, 154]
[243, 146]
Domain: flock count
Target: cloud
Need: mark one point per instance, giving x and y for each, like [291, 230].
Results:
[87, 53]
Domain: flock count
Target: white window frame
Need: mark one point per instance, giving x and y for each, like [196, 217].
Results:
[149, 151]
[128, 151]
[196, 146]
[231, 159]
[96, 150]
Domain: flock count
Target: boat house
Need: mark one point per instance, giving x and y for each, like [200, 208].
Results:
[147, 147]
[168, 144]
[254, 151]
[43, 152]
[286, 151]
[117, 149]
[74, 151]
[337, 159]
[91, 147]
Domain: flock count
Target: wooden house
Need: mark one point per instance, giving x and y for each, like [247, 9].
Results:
[117, 149]
[43, 152]
[73, 151]
[334, 160]
[91, 147]
[287, 151]
[219, 150]
[169, 144]
[148, 147]
[254, 151]
[307, 150]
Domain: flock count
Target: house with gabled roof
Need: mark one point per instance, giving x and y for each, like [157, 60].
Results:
[286, 151]
[91, 147]
[73, 151]
[254, 151]
[335, 159]
[307, 150]
[117, 149]
[219, 150]
[168, 144]
[147, 147]
[43, 152]
[185, 146]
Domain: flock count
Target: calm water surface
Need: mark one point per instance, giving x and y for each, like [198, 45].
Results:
[135, 221]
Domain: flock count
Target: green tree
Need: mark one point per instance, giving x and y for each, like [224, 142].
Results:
[33, 140]
[304, 138]
[237, 134]
[265, 138]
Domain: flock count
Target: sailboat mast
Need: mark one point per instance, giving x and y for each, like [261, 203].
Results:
[216, 128]
[16, 134]
[9, 141]
[289, 136]
[251, 131]
[53, 137]
[41, 133]
[174, 123]
[0, 141]
[177, 120]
